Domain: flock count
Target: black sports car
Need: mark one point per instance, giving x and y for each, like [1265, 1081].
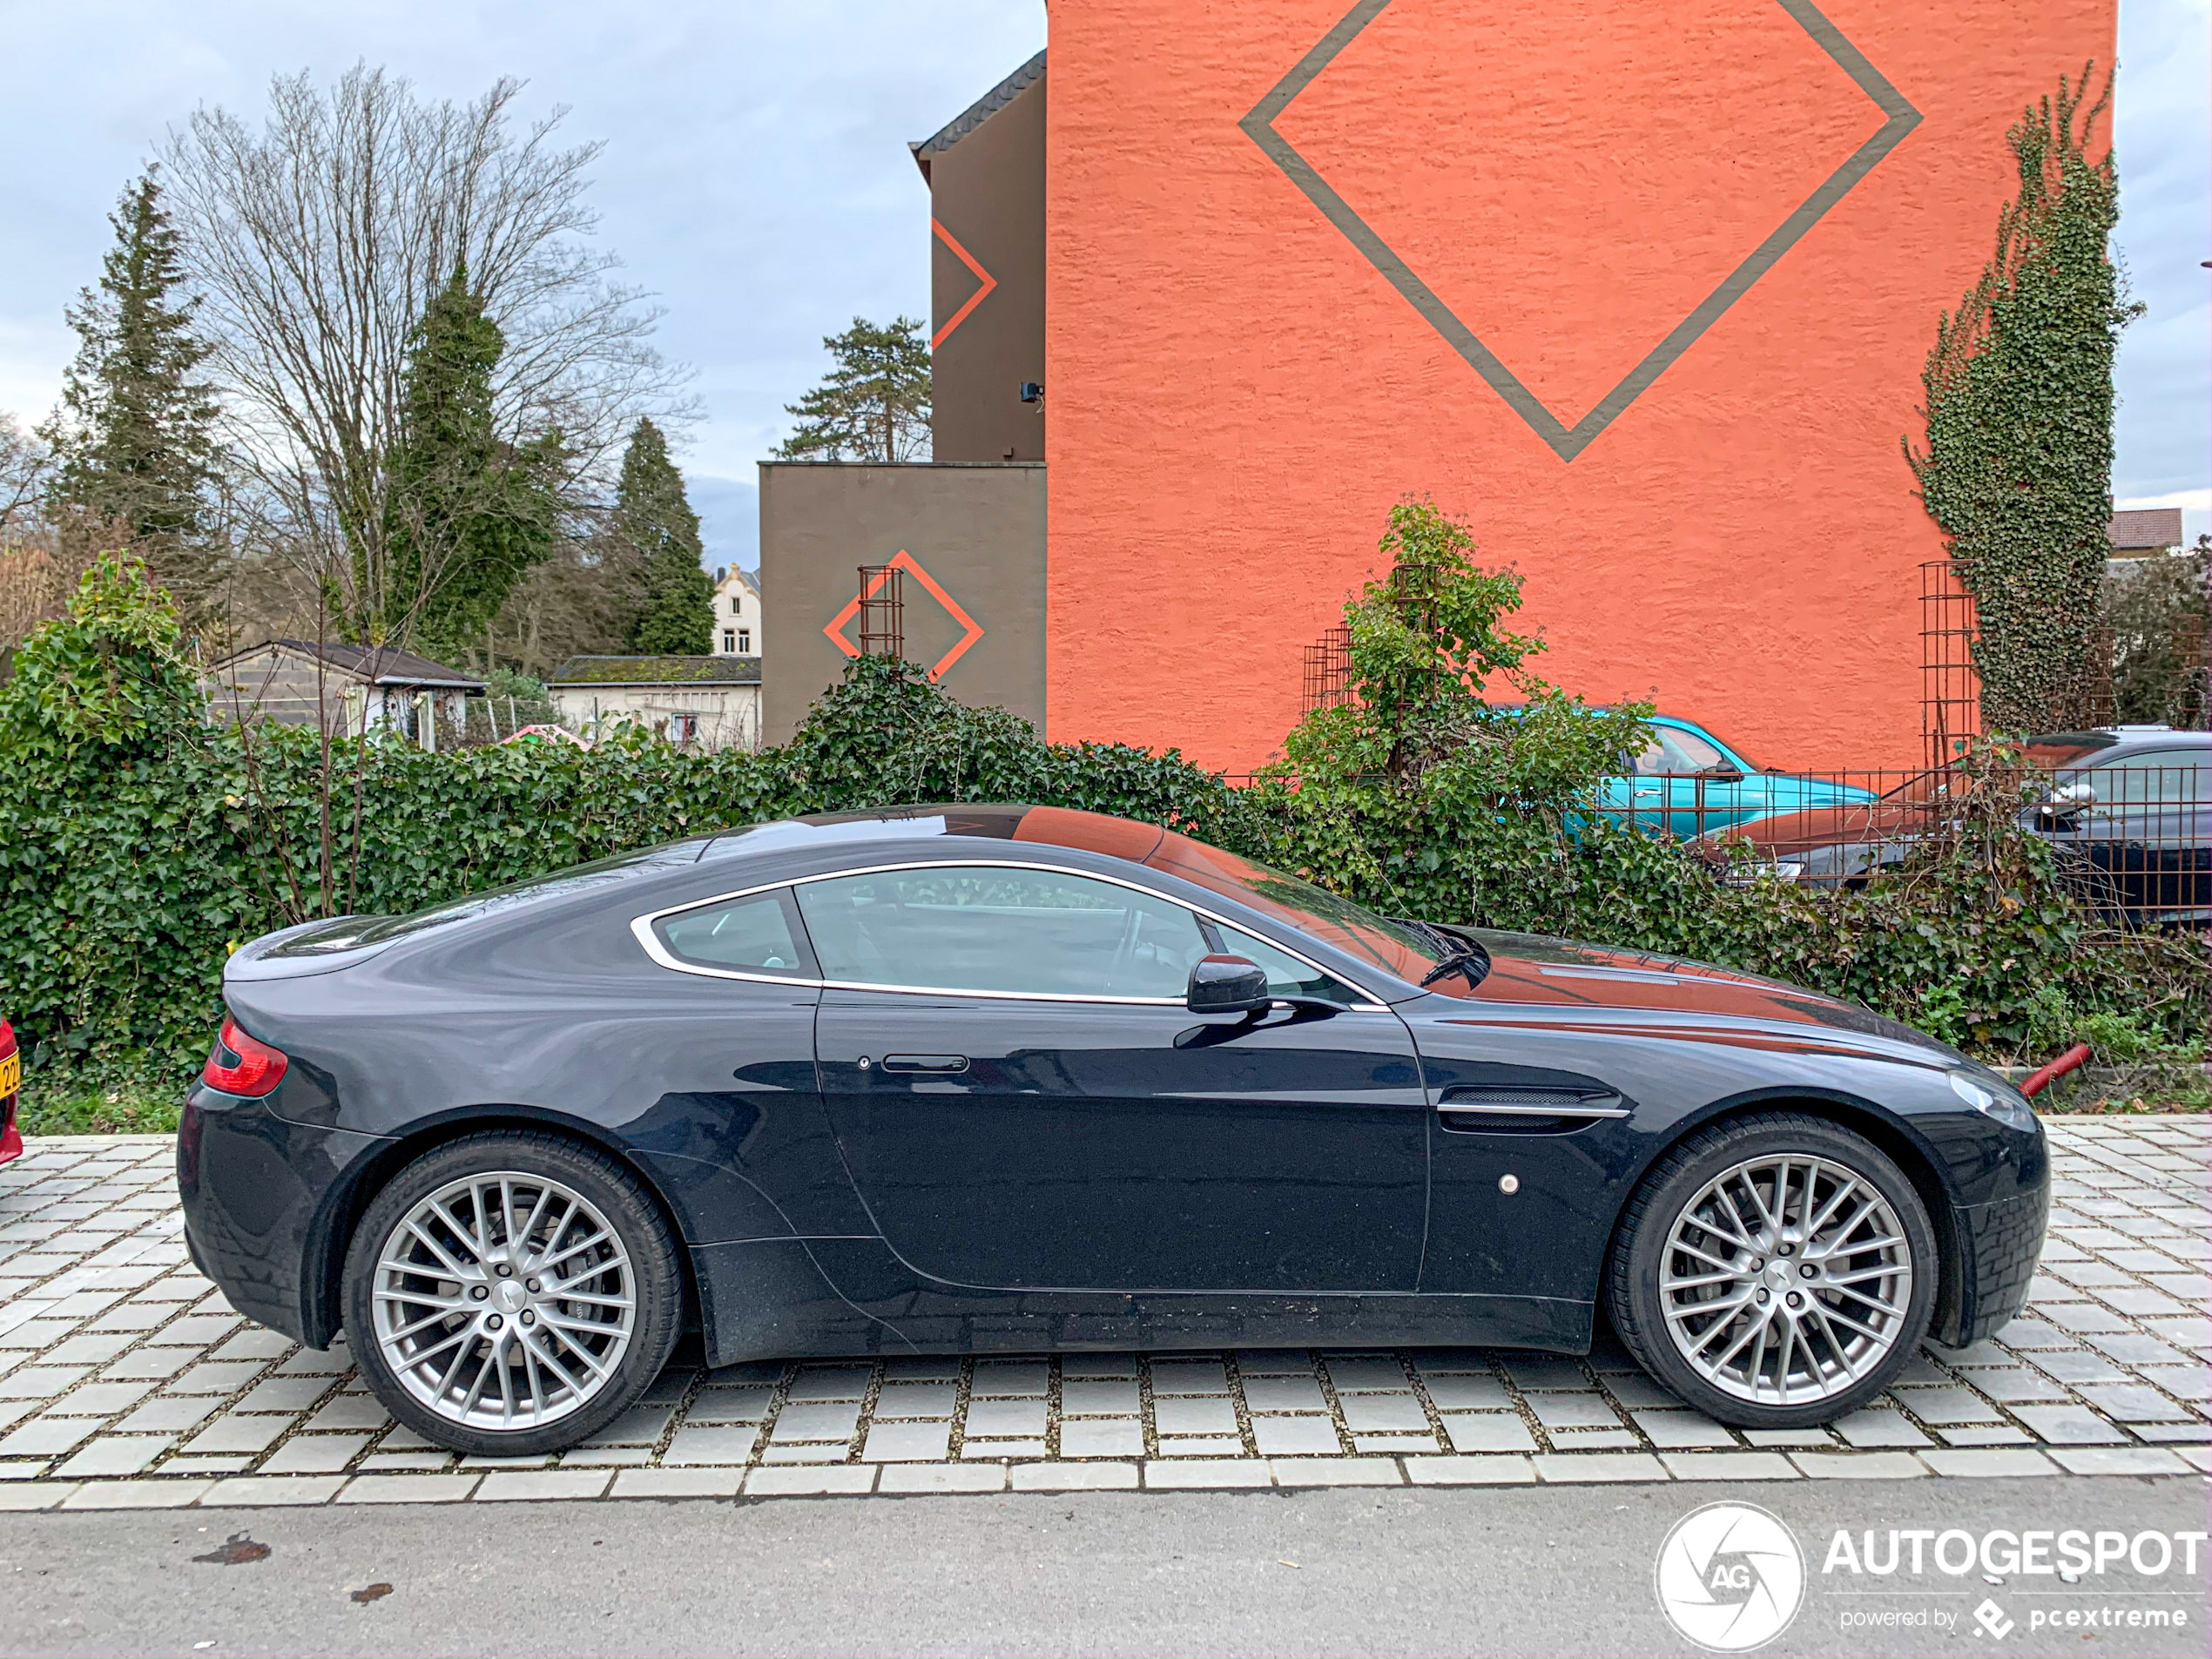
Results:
[953, 1079]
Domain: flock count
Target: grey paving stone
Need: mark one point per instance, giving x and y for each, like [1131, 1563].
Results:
[640, 1425]
[925, 1400]
[2133, 1403]
[39, 1382]
[89, 1350]
[1188, 1377]
[1859, 1465]
[2066, 1424]
[1290, 1436]
[831, 1383]
[113, 1454]
[1729, 1465]
[908, 1442]
[1001, 1418]
[1599, 1466]
[239, 1434]
[1207, 1472]
[1945, 1406]
[284, 1395]
[2132, 1348]
[1201, 1446]
[606, 1457]
[2072, 1365]
[1202, 1415]
[2138, 1301]
[174, 1415]
[943, 1477]
[1682, 1430]
[710, 1445]
[523, 1486]
[1573, 1411]
[1366, 1373]
[971, 1450]
[1984, 1434]
[314, 1454]
[1338, 1471]
[1528, 1372]
[1489, 1432]
[350, 1411]
[1283, 1394]
[678, 1483]
[215, 1377]
[846, 1478]
[2192, 1383]
[270, 1491]
[1995, 1462]
[2017, 1382]
[1381, 1413]
[1451, 1393]
[407, 1489]
[255, 1343]
[818, 1420]
[1072, 1477]
[729, 1406]
[47, 1437]
[1095, 1398]
[1470, 1471]
[1640, 1392]
[2028, 1335]
[2131, 1459]
[136, 1494]
[101, 1398]
[1270, 1362]
[1009, 1377]
[1091, 1437]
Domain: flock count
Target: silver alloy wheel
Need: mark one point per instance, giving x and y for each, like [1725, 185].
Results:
[1786, 1279]
[503, 1300]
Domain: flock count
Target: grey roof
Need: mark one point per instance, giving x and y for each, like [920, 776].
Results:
[378, 665]
[2147, 527]
[658, 671]
[978, 112]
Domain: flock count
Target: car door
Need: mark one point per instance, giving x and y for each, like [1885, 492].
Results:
[1024, 1102]
[2146, 830]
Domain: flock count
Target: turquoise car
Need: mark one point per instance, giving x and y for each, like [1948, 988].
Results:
[1688, 781]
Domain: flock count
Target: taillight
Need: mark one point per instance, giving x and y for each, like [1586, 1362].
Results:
[243, 1064]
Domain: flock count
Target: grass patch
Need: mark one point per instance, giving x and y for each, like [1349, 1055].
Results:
[73, 1108]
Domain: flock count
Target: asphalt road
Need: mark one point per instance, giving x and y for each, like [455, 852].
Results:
[1553, 1570]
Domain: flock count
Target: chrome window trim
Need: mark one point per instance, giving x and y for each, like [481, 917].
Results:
[641, 929]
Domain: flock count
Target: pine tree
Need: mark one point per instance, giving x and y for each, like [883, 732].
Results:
[676, 615]
[467, 514]
[134, 434]
[873, 405]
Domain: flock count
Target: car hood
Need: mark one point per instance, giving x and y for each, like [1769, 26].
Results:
[1845, 825]
[1532, 972]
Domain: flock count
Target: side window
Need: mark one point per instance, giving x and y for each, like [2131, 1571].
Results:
[2162, 777]
[752, 935]
[983, 928]
[1286, 975]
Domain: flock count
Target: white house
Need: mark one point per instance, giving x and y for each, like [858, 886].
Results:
[737, 613]
[695, 702]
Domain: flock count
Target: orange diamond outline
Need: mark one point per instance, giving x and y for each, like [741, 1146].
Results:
[972, 630]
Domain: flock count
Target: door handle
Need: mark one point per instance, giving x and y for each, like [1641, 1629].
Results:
[925, 1063]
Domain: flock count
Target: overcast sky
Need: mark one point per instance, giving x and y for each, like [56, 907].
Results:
[757, 179]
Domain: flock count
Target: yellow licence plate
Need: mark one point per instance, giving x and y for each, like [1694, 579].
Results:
[10, 1074]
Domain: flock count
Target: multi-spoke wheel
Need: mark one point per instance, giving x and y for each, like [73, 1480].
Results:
[1774, 1271]
[511, 1292]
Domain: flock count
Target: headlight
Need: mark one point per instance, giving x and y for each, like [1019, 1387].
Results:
[2003, 1105]
[1750, 870]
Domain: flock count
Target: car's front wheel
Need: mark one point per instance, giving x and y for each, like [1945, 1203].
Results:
[511, 1293]
[1775, 1271]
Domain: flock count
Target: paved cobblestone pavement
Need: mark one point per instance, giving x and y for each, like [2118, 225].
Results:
[126, 1381]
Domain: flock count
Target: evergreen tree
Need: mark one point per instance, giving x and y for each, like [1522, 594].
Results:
[873, 404]
[676, 612]
[467, 514]
[134, 434]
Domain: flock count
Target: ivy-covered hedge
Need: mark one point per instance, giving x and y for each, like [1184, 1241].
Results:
[138, 845]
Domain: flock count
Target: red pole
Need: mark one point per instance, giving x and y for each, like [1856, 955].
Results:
[2044, 1076]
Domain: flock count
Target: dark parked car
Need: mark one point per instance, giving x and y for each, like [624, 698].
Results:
[2131, 808]
[953, 1079]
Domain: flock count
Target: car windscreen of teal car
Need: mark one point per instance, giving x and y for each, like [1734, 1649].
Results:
[1685, 781]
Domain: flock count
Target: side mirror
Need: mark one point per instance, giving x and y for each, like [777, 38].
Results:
[1227, 985]
[1724, 774]
[2070, 798]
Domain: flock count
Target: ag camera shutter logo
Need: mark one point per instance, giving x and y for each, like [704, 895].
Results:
[1731, 1577]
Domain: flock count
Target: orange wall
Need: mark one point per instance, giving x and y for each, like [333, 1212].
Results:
[1237, 396]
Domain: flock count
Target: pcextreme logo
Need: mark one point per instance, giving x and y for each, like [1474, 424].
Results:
[1731, 1577]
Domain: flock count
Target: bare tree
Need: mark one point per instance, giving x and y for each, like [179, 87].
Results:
[316, 245]
[24, 461]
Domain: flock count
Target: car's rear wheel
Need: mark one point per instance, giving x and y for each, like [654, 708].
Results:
[1774, 1271]
[511, 1293]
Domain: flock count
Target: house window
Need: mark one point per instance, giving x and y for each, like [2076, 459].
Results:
[729, 640]
[744, 639]
[683, 728]
[737, 604]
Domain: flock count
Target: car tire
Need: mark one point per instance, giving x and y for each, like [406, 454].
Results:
[511, 1293]
[1763, 1325]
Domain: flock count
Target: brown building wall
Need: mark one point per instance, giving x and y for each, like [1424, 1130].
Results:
[976, 532]
[986, 202]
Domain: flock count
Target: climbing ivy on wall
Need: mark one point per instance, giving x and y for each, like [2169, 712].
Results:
[2018, 467]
